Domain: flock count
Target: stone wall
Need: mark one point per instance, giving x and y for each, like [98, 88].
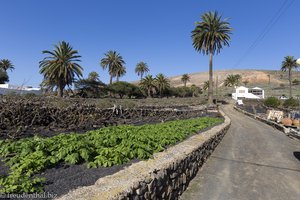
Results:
[165, 176]
[20, 118]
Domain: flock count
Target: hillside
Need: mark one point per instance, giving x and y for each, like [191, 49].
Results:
[252, 76]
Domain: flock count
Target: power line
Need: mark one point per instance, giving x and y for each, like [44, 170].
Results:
[286, 4]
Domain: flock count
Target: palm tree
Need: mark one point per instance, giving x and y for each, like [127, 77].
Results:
[141, 68]
[113, 61]
[288, 64]
[60, 66]
[6, 64]
[185, 78]
[93, 76]
[269, 77]
[232, 80]
[148, 84]
[162, 83]
[209, 37]
[3, 77]
[120, 71]
[205, 85]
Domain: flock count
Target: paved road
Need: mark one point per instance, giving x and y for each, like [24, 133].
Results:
[253, 161]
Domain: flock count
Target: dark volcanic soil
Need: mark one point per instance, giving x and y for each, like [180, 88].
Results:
[63, 178]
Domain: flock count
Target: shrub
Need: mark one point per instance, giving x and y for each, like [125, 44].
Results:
[123, 88]
[296, 82]
[272, 102]
[291, 102]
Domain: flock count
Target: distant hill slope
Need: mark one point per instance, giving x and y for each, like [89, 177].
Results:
[253, 76]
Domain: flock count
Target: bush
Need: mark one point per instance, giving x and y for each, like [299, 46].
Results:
[123, 88]
[291, 102]
[272, 102]
[296, 82]
[88, 88]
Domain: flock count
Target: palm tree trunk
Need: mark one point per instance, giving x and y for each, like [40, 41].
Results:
[210, 87]
[141, 76]
[60, 90]
[160, 93]
[149, 92]
[110, 80]
[117, 78]
[290, 81]
[184, 83]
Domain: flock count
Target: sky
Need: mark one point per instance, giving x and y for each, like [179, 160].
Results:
[157, 32]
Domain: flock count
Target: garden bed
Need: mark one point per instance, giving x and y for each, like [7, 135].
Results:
[63, 159]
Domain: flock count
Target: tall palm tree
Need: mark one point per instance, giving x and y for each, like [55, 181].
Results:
[120, 71]
[288, 64]
[148, 84]
[209, 37]
[162, 83]
[113, 61]
[61, 66]
[232, 80]
[141, 68]
[269, 77]
[185, 78]
[6, 64]
[3, 77]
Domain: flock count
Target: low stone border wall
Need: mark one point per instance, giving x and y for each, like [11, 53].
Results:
[289, 132]
[165, 176]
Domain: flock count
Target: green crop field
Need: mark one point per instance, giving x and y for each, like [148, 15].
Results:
[104, 147]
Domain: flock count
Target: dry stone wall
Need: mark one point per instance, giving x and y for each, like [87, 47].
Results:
[24, 118]
[166, 176]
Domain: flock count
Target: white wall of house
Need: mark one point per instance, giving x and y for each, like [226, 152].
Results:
[18, 87]
[252, 93]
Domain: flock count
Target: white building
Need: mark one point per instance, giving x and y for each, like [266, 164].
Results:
[248, 93]
[17, 87]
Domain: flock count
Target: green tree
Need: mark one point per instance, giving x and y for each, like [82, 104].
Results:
[94, 76]
[47, 85]
[123, 88]
[3, 77]
[206, 85]
[114, 62]
[245, 82]
[288, 64]
[162, 83]
[148, 84]
[209, 37]
[185, 78]
[232, 80]
[6, 64]
[120, 71]
[296, 82]
[195, 90]
[61, 66]
[90, 88]
[141, 68]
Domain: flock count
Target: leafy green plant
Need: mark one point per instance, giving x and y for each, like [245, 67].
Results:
[104, 147]
[291, 102]
[272, 102]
